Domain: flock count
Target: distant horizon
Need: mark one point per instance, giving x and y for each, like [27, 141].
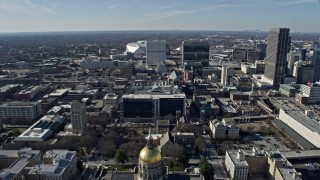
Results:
[121, 15]
[150, 30]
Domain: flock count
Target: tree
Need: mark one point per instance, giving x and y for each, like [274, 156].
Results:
[207, 171]
[180, 154]
[108, 148]
[79, 165]
[120, 157]
[200, 143]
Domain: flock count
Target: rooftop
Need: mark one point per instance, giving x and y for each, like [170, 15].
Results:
[299, 116]
[239, 162]
[20, 104]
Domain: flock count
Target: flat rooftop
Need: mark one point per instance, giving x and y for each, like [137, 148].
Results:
[233, 155]
[20, 104]
[311, 124]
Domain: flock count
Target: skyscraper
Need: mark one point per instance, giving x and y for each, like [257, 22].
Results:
[156, 52]
[78, 117]
[316, 62]
[293, 56]
[226, 75]
[195, 51]
[276, 61]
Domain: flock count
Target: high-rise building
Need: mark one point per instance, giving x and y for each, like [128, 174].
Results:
[276, 61]
[226, 75]
[78, 117]
[156, 52]
[316, 62]
[293, 56]
[303, 71]
[195, 51]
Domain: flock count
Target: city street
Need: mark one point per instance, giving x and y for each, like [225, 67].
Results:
[216, 161]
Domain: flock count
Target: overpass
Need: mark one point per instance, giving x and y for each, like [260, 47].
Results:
[301, 154]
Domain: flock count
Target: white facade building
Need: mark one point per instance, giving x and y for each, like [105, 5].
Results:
[226, 75]
[303, 125]
[156, 52]
[236, 165]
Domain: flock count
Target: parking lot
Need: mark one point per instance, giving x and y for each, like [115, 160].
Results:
[266, 143]
[270, 143]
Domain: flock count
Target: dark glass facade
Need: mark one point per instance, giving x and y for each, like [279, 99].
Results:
[137, 108]
[170, 106]
[276, 61]
[196, 51]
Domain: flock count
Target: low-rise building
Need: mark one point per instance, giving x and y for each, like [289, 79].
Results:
[222, 131]
[46, 127]
[27, 94]
[184, 138]
[12, 162]
[110, 99]
[57, 165]
[20, 110]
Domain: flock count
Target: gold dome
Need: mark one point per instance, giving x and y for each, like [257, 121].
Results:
[150, 155]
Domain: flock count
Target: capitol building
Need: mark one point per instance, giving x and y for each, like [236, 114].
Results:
[150, 165]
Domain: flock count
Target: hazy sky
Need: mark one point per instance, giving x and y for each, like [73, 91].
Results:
[82, 15]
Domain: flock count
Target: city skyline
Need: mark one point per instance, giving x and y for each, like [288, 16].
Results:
[105, 15]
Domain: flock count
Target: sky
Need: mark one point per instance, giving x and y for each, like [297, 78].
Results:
[107, 15]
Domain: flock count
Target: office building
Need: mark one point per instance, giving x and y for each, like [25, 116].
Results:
[236, 165]
[56, 165]
[293, 56]
[276, 60]
[289, 90]
[20, 110]
[156, 52]
[226, 75]
[78, 117]
[312, 91]
[145, 107]
[195, 51]
[304, 72]
[239, 54]
[257, 54]
[316, 62]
